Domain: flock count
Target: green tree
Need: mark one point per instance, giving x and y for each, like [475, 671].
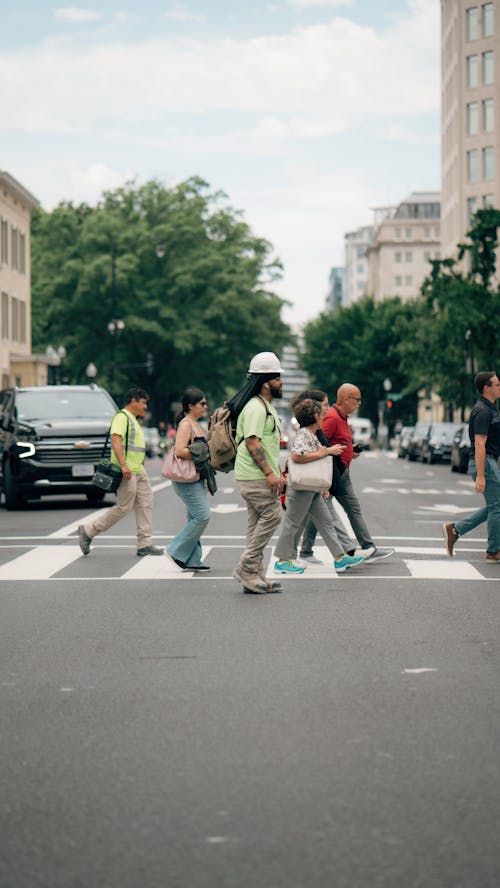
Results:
[360, 344]
[179, 266]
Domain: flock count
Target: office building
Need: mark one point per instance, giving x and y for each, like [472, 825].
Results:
[470, 80]
[336, 288]
[356, 266]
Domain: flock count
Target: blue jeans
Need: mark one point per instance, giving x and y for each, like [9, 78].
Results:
[491, 511]
[186, 546]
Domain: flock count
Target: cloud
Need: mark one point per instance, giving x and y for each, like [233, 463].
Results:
[76, 14]
[315, 80]
[179, 13]
[87, 184]
[309, 4]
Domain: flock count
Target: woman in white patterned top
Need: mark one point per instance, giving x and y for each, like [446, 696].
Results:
[300, 503]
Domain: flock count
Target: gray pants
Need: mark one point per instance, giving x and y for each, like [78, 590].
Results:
[344, 493]
[135, 494]
[264, 515]
[299, 504]
[309, 531]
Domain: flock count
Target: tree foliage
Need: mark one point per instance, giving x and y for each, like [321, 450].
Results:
[179, 266]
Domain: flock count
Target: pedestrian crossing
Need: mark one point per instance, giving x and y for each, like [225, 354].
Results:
[64, 561]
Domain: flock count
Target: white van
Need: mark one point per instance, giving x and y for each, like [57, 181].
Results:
[363, 431]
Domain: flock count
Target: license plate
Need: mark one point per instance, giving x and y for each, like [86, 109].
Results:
[84, 470]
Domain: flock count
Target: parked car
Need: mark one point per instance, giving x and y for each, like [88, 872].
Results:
[404, 439]
[436, 446]
[152, 441]
[51, 439]
[363, 431]
[460, 449]
[415, 443]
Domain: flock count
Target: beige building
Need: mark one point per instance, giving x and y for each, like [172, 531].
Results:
[17, 364]
[406, 239]
[470, 79]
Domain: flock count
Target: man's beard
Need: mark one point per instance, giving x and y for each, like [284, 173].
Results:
[276, 391]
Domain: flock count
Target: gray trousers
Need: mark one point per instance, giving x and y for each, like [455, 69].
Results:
[344, 493]
[264, 515]
[135, 494]
[308, 533]
[300, 504]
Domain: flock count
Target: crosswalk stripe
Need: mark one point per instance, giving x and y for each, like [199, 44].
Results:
[442, 570]
[40, 563]
[156, 567]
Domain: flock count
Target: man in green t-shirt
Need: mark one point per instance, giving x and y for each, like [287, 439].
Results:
[134, 492]
[257, 470]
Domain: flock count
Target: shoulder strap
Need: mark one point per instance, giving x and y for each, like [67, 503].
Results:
[268, 412]
[109, 433]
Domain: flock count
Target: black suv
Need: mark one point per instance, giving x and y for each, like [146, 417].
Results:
[51, 438]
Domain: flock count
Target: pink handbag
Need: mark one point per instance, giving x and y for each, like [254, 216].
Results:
[177, 469]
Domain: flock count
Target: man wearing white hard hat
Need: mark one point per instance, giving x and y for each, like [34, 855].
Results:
[257, 470]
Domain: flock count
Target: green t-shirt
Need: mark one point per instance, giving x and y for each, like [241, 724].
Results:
[253, 420]
[136, 450]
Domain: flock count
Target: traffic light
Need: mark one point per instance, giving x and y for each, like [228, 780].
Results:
[388, 404]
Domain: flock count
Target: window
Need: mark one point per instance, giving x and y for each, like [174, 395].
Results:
[487, 19]
[472, 118]
[427, 231]
[437, 231]
[22, 322]
[360, 268]
[14, 319]
[471, 208]
[488, 163]
[360, 252]
[5, 316]
[397, 256]
[4, 242]
[472, 71]
[408, 232]
[397, 232]
[408, 256]
[472, 165]
[488, 115]
[408, 280]
[22, 253]
[472, 20]
[13, 247]
[437, 254]
[488, 67]
[398, 280]
[488, 200]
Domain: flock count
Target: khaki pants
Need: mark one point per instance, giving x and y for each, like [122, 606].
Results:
[264, 515]
[135, 494]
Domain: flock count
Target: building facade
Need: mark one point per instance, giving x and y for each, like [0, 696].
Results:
[406, 239]
[356, 265]
[336, 288]
[470, 80]
[17, 365]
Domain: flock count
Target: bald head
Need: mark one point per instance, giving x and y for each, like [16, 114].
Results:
[348, 398]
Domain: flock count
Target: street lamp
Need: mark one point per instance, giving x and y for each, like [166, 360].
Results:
[471, 361]
[55, 364]
[115, 326]
[91, 372]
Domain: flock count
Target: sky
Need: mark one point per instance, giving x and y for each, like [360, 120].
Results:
[306, 113]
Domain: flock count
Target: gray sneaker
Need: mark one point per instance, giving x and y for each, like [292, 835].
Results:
[150, 550]
[379, 554]
[310, 559]
[84, 540]
[250, 583]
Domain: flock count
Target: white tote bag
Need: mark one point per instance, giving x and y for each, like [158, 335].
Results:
[314, 475]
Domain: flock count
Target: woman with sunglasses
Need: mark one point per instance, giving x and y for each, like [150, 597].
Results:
[185, 548]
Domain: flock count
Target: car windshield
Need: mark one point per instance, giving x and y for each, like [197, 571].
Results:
[444, 430]
[64, 405]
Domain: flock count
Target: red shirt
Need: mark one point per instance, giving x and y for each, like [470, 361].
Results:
[338, 431]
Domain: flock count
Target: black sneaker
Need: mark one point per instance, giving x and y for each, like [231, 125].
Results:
[201, 567]
[84, 540]
[176, 561]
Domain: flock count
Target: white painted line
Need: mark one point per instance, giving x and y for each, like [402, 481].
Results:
[227, 508]
[443, 570]
[418, 671]
[162, 485]
[159, 567]
[40, 563]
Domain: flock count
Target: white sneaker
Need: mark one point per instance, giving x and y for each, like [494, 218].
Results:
[364, 553]
[309, 559]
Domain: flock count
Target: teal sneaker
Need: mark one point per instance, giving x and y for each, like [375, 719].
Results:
[347, 562]
[288, 567]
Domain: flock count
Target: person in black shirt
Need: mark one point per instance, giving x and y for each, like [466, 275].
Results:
[484, 466]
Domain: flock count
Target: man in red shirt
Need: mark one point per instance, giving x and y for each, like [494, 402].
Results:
[338, 431]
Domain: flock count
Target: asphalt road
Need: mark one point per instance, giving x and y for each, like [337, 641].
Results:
[163, 730]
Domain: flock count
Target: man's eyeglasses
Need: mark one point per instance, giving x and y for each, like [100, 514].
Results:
[354, 398]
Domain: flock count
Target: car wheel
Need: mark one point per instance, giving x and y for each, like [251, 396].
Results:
[95, 496]
[13, 498]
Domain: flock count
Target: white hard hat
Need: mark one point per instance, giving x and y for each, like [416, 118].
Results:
[265, 362]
